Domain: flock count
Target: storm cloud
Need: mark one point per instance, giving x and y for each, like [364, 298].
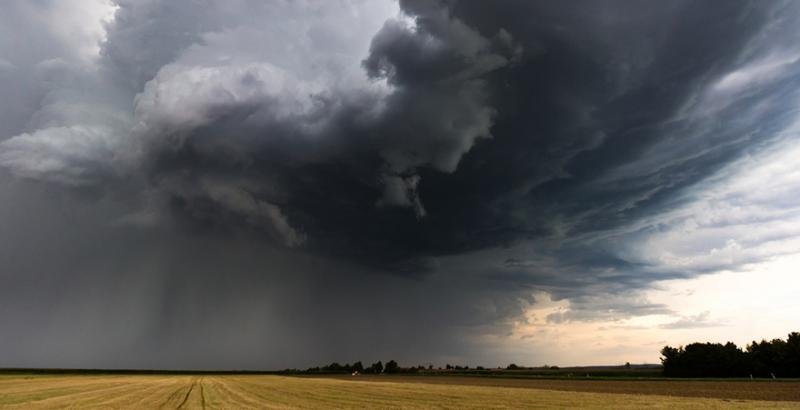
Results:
[250, 184]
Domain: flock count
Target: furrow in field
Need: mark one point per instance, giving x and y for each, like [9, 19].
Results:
[186, 396]
[145, 392]
[227, 393]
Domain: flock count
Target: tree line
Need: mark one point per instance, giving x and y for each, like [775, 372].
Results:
[771, 359]
[378, 367]
[375, 368]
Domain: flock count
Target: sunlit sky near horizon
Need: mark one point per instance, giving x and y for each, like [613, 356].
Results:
[248, 184]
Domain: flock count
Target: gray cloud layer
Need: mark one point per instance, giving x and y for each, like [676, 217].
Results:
[283, 183]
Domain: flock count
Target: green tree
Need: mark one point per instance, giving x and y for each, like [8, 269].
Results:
[358, 367]
[376, 368]
[391, 367]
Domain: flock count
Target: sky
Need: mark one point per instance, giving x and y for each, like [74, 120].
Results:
[248, 184]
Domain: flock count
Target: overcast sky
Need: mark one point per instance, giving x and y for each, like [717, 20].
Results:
[267, 184]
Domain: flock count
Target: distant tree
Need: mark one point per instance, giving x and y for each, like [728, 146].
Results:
[627, 365]
[448, 366]
[430, 367]
[391, 367]
[705, 360]
[512, 366]
[358, 367]
[774, 358]
[670, 358]
[376, 368]
[793, 354]
[769, 358]
[333, 367]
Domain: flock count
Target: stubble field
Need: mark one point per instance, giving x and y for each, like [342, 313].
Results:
[261, 391]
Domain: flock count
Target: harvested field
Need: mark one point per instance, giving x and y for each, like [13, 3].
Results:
[734, 389]
[232, 391]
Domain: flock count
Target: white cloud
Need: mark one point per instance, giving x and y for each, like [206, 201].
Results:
[74, 155]
[182, 98]
[757, 303]
[80, 24]
[755, 74]
[700, 320]
[748, 213]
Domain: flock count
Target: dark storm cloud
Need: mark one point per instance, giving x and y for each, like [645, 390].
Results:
[300, 160]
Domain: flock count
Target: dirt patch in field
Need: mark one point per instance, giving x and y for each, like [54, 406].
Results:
[734, 390]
